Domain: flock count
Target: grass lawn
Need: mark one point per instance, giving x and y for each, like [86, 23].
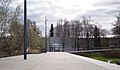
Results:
[99, 56]
[106, 59]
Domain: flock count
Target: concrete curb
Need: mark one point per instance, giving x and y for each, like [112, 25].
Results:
[97, 62]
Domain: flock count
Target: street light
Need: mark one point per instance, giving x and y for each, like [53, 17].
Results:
[45, 34]
[25, 30]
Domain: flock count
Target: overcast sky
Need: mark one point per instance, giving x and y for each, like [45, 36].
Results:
[101, 11]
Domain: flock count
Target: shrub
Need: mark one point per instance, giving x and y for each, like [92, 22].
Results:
[111, 54]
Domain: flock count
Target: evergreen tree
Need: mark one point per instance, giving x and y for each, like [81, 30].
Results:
[97, 42]
[116, 29]
[51, 31]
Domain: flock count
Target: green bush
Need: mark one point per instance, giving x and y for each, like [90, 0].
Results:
[111, 54]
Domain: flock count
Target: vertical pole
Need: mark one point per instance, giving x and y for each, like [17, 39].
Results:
[49, 48]
[87, 37]
[76, 43]
[46, 34]
[25, 30]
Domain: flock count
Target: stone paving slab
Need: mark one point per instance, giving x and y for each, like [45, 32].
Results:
[50, 61]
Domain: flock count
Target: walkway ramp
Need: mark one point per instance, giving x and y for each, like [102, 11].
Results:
[54, 61]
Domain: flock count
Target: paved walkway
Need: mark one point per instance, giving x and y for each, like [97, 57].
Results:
[54, 61]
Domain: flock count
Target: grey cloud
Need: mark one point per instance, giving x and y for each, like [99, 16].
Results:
[103, 14]
[115, 11]
[111, 3]
[94, 13]
[42, 2]
[40, 18]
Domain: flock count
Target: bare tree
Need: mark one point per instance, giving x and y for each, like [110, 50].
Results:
[116, 30]
[104, 32]
[4, 13]
[66, 28]
[58, 29]
[75, 30]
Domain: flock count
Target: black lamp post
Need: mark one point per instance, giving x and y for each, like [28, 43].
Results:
[25, 30]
